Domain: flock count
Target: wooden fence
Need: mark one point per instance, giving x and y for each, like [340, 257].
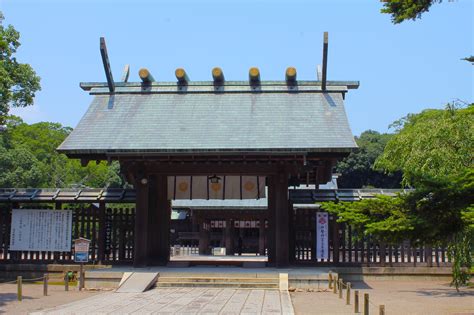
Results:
[109, 229]
[111, 233]
[347, 249]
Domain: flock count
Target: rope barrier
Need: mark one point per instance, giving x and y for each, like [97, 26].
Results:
[34, 279]
[23, 280]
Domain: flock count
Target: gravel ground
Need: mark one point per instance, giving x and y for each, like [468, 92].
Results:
[33, 298]
[399, 297]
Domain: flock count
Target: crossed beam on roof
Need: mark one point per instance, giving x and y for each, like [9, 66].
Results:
[217, 73]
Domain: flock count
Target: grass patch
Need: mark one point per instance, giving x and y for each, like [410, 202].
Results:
[71, 283]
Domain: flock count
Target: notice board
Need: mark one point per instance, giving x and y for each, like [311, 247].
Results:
[41, 230]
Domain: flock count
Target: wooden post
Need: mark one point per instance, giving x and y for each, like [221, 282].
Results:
[366, 303]
[381, 309]
[334, 287]
[335, 241]
[19, 288]
[291, 233]
[141, 223]
[102, 233]
[159, 216]
[348, 293]
[281, 220]
[229, 237]
[45, 284]
[383, 253]
[81, 277]
[356, 301]
[330, 280]
[341, 286]
[261, 237]
[429, 255]
[66, 282]
[203, 238]
[271, 242]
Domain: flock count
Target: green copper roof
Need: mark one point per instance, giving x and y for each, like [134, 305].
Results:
[199, 119]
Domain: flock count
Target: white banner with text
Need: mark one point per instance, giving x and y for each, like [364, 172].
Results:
[322, 241]
[41, 230]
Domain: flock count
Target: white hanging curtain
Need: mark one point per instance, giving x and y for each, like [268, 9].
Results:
[226, 187]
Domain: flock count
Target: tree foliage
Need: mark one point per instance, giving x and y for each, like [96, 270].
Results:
[402, 10]
[432, 144]
[434, 150]
[357, 170]
[28, 158]
[18, 81]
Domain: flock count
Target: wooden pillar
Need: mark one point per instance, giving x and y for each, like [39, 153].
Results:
[229, 237]
[271, 245]
[335, 241]
[382, 253]
[291, 231]
[281, 220]
[141, 223]
[102, 235]
[203, 239]
[159, 217]
[261, 237]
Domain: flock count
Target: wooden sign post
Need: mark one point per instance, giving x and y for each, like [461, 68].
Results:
[81, 255]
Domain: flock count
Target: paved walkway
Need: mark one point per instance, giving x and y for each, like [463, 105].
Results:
[182, 301]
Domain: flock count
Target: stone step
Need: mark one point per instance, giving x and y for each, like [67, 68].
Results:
[247, 285]
[217, 279]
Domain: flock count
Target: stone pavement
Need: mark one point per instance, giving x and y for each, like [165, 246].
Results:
[182, 301]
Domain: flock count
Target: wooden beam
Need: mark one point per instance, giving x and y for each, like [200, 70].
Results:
[325, 61]
[319, 72]
[145, 75]
[125, 73]
[105, 61]
[218, 75]
[290, 75]
[182, 76]
[254, 76]
[203, 169]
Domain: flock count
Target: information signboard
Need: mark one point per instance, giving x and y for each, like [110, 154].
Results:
[322, 241]
[41, 230]
[81, 250]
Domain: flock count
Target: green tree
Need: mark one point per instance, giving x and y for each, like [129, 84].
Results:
[18, 81]
[439, 211]
[432, 144]
[29, 159]
[357, 170]
[402, 10]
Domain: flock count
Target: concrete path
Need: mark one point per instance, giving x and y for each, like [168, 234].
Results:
[182, 301]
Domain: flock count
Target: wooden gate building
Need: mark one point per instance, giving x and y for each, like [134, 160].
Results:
[286, 132]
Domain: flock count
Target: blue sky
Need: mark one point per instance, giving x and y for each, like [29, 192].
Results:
[401, 68]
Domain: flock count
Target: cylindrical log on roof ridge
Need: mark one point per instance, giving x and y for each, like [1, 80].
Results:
[145, 75]
[218, 75]
[181, 75]
[290, 74]
[254, 75]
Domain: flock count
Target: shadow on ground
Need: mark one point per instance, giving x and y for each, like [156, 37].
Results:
[445, 292]
[9, 297]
